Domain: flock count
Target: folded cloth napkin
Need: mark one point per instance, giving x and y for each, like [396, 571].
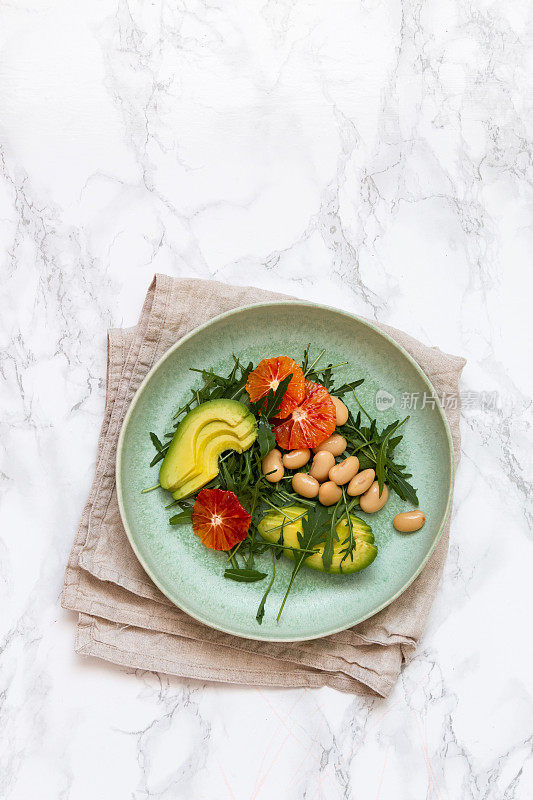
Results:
[124, 618]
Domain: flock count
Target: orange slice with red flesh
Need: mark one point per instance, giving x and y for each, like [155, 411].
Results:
[219, 520]
[309, 423]
[268, 375]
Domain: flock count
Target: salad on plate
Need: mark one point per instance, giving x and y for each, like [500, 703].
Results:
[276, 457]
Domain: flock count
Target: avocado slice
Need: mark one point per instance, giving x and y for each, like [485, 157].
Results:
[365, 552]
[209, 465]
[202, 435]
[207, 437]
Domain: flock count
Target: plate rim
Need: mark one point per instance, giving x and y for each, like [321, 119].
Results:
[167, 354]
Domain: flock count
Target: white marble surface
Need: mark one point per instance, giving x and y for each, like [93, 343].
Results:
[370, 154]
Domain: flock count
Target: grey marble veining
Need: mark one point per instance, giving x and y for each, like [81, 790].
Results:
[372, 155]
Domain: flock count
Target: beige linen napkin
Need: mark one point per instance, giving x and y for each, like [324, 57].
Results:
[124, 618]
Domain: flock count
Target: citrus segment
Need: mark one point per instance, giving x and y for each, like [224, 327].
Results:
[268, 375]
[219, 520]
[309, 423]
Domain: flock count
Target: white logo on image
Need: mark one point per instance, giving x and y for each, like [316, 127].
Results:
[384, 400]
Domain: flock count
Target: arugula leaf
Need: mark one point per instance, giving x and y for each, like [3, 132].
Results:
[398, 480]
[331, 536]
[324, 375]
[227, 476]
[160, 447]
[244, 575]
[375, 450]
[265, 437]
[261, 609]
[313, 528]
[347, 387]
[352, 544]
[380, 466]
[309, 370]
[182, 518]
[268, 406]
[217, 386]
[306, 358]
[156, 443]
[381, 461]
[393, 443]
[157, 458]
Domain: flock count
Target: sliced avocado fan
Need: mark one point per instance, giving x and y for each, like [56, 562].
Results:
[290, 521]
[203, 434]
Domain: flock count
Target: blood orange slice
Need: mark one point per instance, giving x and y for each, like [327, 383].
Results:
[268, 375]
[219, 519]
[309, 423]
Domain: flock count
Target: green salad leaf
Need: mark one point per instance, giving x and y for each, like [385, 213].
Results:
[314, 526]
[268, 406]
[244, 575]
[265, 437]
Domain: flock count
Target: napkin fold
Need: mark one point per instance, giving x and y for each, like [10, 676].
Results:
[124, 618]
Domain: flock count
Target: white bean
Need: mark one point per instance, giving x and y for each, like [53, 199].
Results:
[344, 471]
[273, 465]
[296, 458]
[322, 463]
[371, 501]
[335, 444]
[341, 412]
[361, 482]
[305, 484]
[329, 493]
[409, 521]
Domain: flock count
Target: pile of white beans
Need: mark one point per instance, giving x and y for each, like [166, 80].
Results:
[326, 478]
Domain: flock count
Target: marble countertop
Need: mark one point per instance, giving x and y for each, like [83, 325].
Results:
[374, 155]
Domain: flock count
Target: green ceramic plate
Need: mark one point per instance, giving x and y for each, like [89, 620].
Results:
[191, 575]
